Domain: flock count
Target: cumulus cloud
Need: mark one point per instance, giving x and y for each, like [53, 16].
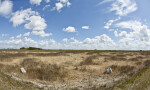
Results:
[85, 27]
[65, 40]
[31, 20]
[20, 17]
[37, 23]
[19, 36]
[41, 33]
[6, 7]
[36, 2]
[60, 4]
[69, 29]
[137, 38]
[27, 42]
[26, 34]
[99, 42]
[124, 7]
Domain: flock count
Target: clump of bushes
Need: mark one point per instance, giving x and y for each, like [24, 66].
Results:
[30, 48]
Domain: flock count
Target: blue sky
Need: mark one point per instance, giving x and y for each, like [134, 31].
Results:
[75, 24]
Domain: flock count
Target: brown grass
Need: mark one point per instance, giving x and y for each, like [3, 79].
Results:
[115, 58]
[51, 54]
[89, 60]
[10, 56]
[133, 59]
[122, 69]
[147, 63]
[41, 71]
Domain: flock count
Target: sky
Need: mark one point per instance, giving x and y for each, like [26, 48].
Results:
[75, 24]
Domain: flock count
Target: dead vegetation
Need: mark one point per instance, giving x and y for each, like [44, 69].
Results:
[72, 66]
[115, 58]
[10, 56]
[89, 60]
[123, 69]
[41, 71]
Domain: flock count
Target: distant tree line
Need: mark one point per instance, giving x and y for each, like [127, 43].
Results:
[30, 48]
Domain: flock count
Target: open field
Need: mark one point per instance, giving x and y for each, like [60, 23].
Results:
[72, 69]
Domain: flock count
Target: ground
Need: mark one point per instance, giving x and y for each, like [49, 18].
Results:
[74, 69]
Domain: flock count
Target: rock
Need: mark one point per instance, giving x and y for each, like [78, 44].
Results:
[108, 70]
[23, 70]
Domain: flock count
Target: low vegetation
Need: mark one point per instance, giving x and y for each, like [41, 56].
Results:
[89, 60]
[41, 71]
[78, 68]
[30, 48]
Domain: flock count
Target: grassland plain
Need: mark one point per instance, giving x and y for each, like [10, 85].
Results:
[74, 70]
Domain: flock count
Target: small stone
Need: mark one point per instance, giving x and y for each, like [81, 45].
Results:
[108, 70]
[23, 70]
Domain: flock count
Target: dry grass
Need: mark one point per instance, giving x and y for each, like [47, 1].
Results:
[50, 54]
[89, 60]
[115, 58]
[75, 65]
[122, 69]
[147, 63]
[41, 71]
[10, 56]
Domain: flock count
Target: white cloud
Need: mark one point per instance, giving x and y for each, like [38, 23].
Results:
[20, 17]
[11, 38]
[99, 42]
[41, 33]
[27, 42]
[105, 1]
[19, 36]
[47, 1]
[36, 23]
[5, 7]
[65, 40]
[137, 38]
[4, 35]
[121, 34]
[60, 4]
[37, 2]
[131, 24]
[110, 22]
[85, 27]
[32, 21]
[26, 34]
[45, 7]
[124, 7]
[69, 29]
